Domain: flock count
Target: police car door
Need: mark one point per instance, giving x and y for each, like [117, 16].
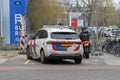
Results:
[34, 45]
[40, 41]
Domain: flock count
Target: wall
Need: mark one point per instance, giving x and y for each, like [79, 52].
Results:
[5, 21]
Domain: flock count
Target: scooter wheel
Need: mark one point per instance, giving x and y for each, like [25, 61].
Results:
[86, 55]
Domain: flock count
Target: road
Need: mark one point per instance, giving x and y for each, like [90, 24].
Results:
[102, 60]
[104, 67]
[61, 75]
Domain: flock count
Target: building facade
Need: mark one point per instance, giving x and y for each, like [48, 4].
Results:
[4, 20]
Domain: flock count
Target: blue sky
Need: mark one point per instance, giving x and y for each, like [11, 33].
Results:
[116, 1]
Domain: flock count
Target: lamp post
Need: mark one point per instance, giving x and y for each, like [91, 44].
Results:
[68, 11]
[1, 3]
[103, 13]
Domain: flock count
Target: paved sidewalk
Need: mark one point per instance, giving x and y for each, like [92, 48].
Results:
[8, 53]
[111, 59]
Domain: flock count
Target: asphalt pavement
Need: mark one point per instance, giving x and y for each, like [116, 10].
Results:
[16, 67]
[13, 58]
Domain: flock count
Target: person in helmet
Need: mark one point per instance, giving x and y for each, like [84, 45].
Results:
[84, 36]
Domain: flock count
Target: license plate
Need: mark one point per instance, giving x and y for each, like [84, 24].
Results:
[86, 44]
[66, 44]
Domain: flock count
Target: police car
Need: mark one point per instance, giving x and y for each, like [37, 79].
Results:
[55, 42]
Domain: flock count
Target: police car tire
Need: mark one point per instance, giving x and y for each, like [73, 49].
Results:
[78, 60]
[42, 57]
[28, 53]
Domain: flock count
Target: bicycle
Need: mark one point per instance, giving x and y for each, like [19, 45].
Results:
[116, 48]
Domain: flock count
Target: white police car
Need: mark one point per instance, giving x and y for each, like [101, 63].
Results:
[55, 42]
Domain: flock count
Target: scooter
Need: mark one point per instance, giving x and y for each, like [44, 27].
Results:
[86, 46]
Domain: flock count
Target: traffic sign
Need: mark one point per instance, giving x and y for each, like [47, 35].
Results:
[17, 10]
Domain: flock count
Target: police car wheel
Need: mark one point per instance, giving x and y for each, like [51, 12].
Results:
[78, 60]
[42, 57]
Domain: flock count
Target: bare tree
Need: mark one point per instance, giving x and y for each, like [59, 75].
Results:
[40, 12]
[103, 9]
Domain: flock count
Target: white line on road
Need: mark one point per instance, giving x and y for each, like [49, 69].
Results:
[2, 60]
[113, 62]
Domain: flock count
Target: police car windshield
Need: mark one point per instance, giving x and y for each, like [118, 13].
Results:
[64, 35]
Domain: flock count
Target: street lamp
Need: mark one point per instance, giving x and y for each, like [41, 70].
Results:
[1, 11]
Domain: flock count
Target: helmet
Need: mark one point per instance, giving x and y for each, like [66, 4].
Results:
[83, 28]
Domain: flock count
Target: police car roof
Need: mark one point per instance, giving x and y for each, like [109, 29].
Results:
[57, 28]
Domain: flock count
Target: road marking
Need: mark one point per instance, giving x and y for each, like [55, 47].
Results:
[2, 60]
[113, 62]
[27, 61]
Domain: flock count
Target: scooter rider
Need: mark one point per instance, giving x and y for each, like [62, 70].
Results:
[84, 36]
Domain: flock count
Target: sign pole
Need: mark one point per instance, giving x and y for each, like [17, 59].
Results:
[22, 35]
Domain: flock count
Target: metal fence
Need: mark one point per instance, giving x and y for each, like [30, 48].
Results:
[96, 46]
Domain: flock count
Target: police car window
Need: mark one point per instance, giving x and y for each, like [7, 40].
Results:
[41, 34]
[64, 35]
[45, 34]
[38, 35]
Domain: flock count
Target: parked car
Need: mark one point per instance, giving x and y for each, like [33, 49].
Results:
[112, 31]
[109, 31]
[93, 29]
[115, 30]
[102, 30]
[55, 42]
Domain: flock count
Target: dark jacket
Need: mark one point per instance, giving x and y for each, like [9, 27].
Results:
[84, 36]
